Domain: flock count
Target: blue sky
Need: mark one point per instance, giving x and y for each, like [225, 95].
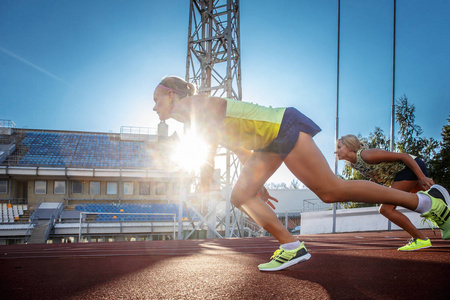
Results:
[92, 65]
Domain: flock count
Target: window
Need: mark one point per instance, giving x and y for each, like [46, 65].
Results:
[111, 188]
[3, 186]
[40, 187]
[128, 188]
[60, 187]
[94, 188]
[77, 187]
[144, 188]
[161, 188]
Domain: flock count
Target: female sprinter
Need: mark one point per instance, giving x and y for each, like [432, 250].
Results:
[265, 137]
[399, 171]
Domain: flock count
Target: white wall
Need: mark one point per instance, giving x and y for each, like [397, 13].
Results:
[296, 200]
[350, 220]
[317, 216]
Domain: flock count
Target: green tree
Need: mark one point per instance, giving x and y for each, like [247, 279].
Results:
[410, 140]
[377, 139]
[295, 185]
[279, 186]
[408, 130]
[440, 166]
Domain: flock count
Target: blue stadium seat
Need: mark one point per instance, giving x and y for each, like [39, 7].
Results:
[136, 208]
[82, 150]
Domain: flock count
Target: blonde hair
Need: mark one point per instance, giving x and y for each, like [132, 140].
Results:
[352, 142]
[179, 86]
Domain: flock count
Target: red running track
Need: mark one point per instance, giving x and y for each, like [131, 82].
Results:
[342, 266]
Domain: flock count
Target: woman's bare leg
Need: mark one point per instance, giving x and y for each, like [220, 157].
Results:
[257, 170]
[399, 219]
[309, 165]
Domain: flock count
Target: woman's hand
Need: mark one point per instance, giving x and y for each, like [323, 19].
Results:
[263, 194]
[426, 182]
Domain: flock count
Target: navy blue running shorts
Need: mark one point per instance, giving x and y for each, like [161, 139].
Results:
[408, 174]
[292, 124]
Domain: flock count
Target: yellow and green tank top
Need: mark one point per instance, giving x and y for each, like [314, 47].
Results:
[250, 125]
[382, 173]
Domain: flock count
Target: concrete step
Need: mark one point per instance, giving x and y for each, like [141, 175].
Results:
[38, 233]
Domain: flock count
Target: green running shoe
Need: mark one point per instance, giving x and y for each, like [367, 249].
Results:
[416, 244]
[283, 259]
[439, 214]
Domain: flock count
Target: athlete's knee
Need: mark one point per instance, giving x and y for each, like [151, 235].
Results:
[235, 199]
[239, 196]
[386, 210]
[331, 197]
[332, 193]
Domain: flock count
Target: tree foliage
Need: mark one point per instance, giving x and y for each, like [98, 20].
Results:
[377, 139]
[409, 140]
[440, 171]
[295, 185]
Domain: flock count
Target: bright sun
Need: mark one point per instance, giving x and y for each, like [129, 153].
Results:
[191, 152]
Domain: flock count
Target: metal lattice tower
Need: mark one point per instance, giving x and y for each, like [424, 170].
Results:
[213, 58]
[213, 63]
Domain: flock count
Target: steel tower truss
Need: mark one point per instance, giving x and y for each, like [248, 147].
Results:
[214, 64]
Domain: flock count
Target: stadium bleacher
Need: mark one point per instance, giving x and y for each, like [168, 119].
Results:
[54, 149]
[122, 209]
[10, 213]
[86, 155]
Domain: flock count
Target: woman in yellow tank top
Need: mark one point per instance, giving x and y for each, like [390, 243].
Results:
[262, 148]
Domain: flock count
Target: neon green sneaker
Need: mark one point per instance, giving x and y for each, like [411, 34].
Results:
[283, 259]
[439, 214]
[416, 244]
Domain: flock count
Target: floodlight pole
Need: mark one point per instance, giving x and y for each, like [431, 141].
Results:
[393, 82]
[336, 133]
[393, 91]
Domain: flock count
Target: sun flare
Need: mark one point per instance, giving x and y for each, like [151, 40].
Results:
[191, 152]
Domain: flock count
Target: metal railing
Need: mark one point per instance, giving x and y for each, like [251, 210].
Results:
[7, 123]
[16, 201]
[33, 223]
[255, 229]
[137, 130]
[50, 225]
[34, 220]
[120, 222]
